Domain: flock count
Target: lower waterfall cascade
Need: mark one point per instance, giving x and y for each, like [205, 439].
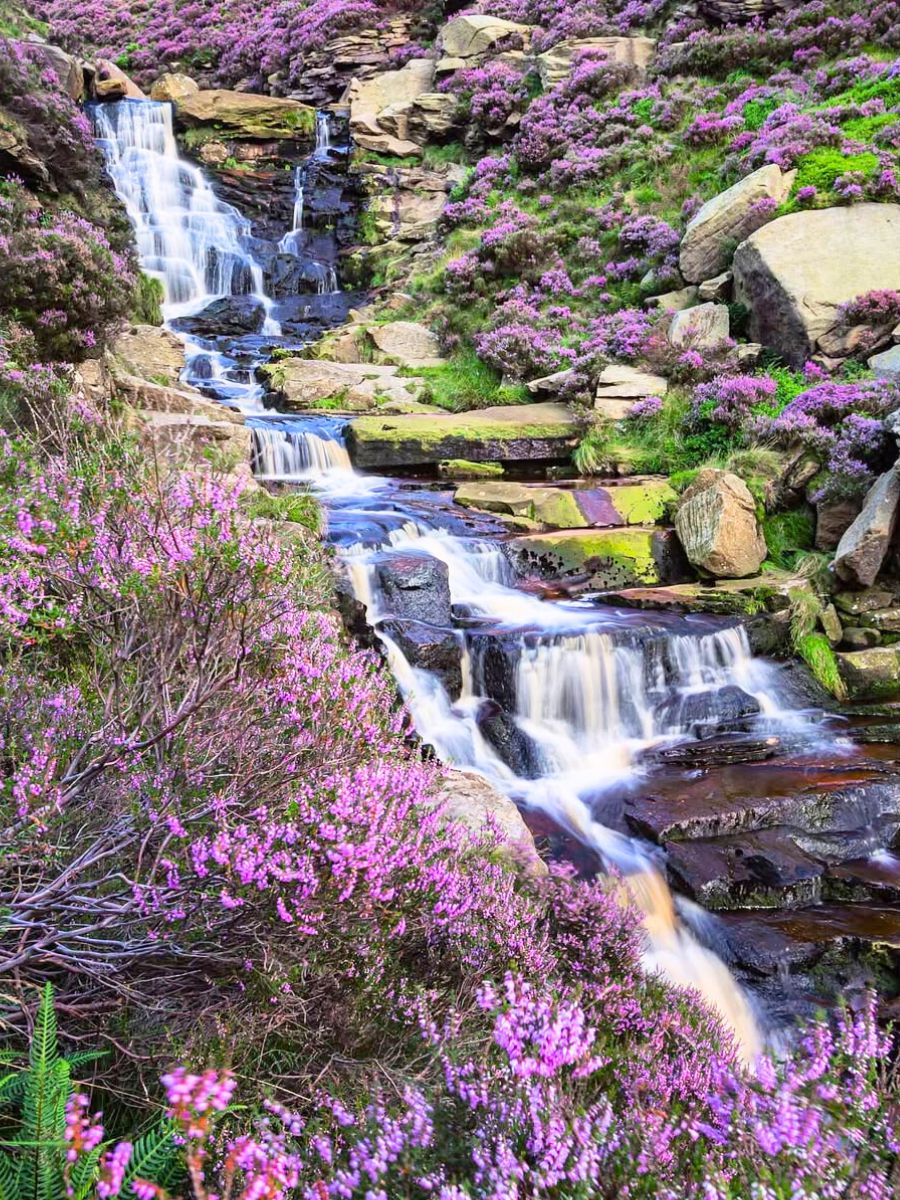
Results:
[588, 694]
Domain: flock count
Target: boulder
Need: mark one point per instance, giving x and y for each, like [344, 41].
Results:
[229, 315]
[472, 36]
[150, 352]
[553, 384]
[714, 232]
[857, 637]
[871, 674]
[176, 437]
[68, 70]
[795, 272]
[111, 83]
[405, 203]
[886, 365]
[718, 288]
[703, 327]
[571, 508]
[613, 558]
[303, 383]
[174, 87]
[414, 587]
[512, 433]
[407, 344]
[470, 800]
[380, 107]
[247, 115]
[634, 54]
[716, 522]
[863, 548]
[855, 604]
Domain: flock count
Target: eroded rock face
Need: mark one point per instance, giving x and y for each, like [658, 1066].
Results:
[703, 327]
[863, 548]
[714, 232]
[716, 522]
[68, 70]
[381, 107]
[470, 37]
[632, 53]
[246, 114]
[151, 352]
[795, 272]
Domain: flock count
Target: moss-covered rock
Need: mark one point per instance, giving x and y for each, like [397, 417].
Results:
[515, 433]
[612, 557]
[871, 674]
[246, 115]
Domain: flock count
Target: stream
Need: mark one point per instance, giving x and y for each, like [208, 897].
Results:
[590, 717]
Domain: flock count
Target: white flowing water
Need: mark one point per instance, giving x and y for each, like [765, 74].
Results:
[582, 688]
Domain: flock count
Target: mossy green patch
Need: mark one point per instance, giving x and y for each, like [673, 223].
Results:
[615, 557]
[645, 503]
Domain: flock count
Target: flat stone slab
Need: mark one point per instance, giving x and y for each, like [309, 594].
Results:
[762, 869]
[246, 114]
[611, 557]
[572, 508]
[729, 597]
[513, 433]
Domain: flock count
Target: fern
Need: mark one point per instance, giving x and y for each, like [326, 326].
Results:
[9, 1177]
[154, 1157]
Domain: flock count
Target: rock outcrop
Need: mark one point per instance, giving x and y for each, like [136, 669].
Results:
[795, 272]
[406, 344]
[716, 522]
[715, 231]
[395, 112]
[703, 327]
[642, 503]
[611, 558]
[864, 547]
[466, 39]
[633, 54]
[470, 800]
[174, 87]
[620, 387]
[246, 114]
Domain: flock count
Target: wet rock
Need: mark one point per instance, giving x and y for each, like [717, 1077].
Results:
[225, 317]
[470, 800]
[612, 557]
[700, 712]
[871, 674]
[717, 524]
[632, 54]
[763, 869]
[513, 747]
[429, 648]
[863, 548]
[173, 86]
[511, 433]
[703, 327]
[415, 587]
[729, 218]
[795, 272]
[727, 749]
[247, 114]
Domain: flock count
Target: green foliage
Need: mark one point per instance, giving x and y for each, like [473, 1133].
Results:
[788, 535]
[148, 298]
[822, 166]
[299, 508]
[465, 382]
[816, 652]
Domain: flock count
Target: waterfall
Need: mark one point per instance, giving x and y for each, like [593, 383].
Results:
[194, 243]
[290, 242]
[296, 453]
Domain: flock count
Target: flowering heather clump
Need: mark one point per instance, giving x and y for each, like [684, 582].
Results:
[869, 319]
[732, 401]
[843, 424]
[62, 279]
[490, 94]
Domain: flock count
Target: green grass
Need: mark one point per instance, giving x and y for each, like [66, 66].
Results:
[789, 535]
[299, 508]
[464, 382]
[824, 165]
[816, 652]
[148, 298]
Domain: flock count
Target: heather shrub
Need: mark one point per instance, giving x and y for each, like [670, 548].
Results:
[63, 281]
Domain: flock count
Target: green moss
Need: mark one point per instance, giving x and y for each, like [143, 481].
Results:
[616, 557]
[461, 468]
[464, 383]
[816, 652]
[822, 166]
[643, 503]
[297, 507]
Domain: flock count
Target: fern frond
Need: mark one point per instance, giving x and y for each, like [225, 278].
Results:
[84, 1174]
[12, 1087]
[81, 1058]
[44, 1049]
[9, 1177]
[155, 1157]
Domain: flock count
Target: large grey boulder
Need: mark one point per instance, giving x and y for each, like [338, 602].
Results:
[714, 232]
[717, 525]
[795, 272]
[886, 365]
[864, 546]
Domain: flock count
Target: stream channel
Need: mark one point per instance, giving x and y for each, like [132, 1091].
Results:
[648, 742]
